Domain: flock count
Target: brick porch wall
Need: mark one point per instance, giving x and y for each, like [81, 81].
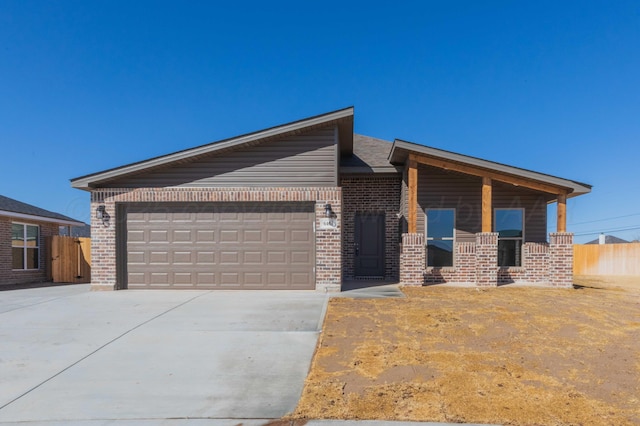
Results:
[412, 259]
[371, 194]
[486, 259]
[463, 271]
[103, 247]
[7, 275]
[535, 266]
[561, 259]
[476, 263]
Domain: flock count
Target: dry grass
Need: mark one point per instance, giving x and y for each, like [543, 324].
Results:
[522, 356]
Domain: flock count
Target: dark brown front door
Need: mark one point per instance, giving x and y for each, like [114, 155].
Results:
[369, 245]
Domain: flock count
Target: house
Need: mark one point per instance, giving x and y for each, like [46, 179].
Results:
[23, 229]
[310, 204]
[607, 239]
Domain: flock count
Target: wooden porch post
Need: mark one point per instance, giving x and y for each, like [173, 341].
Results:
[562, 212]
[487, 207]
[413, 194]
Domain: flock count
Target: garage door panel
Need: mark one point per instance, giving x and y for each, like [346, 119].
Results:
[229, 236]
[205, 236]
[159, 258]
[213, 246]
[229, 258]
[252, 235]
[205, 258]
[158, 236]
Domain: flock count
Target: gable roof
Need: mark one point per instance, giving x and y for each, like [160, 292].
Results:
[342, 118]
[18, 209]
[402, 149]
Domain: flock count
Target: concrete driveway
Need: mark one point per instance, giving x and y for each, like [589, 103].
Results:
[70, 355]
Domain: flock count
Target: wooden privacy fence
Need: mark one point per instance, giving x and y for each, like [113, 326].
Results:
[606, 259]
[70, 260]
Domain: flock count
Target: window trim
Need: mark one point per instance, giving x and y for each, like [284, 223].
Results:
[25, 247]
[427, 239]
[495, 222]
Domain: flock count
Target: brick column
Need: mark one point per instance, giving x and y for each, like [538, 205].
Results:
[329, 244]
[103, 244]
[412, 260]
[486, 259]
[561, 259]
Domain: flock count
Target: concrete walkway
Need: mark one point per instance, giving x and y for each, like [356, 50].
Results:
[71, 356]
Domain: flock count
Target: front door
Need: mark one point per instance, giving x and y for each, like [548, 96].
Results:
[369, 245]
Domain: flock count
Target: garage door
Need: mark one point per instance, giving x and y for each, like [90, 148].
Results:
[220, 246]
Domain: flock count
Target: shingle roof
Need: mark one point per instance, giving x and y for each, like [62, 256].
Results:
[609, 239]
[14, 206]
[368, 153]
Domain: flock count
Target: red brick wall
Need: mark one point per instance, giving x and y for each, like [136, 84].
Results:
[535, 266]
[412, 259]
[103, 247]
[7, 275]
[463, 271]
[561, 259]
[371, 194]
[486, 259]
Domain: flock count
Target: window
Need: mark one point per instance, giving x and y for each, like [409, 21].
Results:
[509, 224]
[440, 237]
[25, 246]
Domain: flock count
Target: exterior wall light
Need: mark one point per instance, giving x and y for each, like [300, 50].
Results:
[327, 210]
[101, 212]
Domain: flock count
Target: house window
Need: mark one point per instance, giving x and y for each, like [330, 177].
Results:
[25, 246]
[440, 237]
[509, 224]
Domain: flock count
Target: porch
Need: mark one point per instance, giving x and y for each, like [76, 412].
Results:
[487, 245]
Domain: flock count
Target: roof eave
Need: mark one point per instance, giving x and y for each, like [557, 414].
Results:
[400, 151]
[38, 218]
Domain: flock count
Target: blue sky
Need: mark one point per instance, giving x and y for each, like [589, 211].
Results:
[549, 86]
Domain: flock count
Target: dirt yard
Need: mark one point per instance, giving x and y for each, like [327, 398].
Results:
[520, 356]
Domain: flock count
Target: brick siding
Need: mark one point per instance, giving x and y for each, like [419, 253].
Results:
[371, 194]
[476, 263]
[103, 247]
[412, 259]
[561, 259]
[7, 275]
[486, 259]
[463, 271]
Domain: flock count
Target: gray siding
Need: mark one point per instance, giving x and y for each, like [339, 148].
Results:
[308, 159]
[441, 189]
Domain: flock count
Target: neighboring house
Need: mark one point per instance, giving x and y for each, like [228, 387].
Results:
[83, 231]
[310, 204]
[607, 239]
[23, 229]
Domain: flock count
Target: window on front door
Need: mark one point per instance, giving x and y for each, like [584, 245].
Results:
[509, 224]
[25, 246]
[440, 236]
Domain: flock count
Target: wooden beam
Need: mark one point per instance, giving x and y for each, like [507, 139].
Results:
[412, 177]
[477, 171]
[487, 206]
[562, 213]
